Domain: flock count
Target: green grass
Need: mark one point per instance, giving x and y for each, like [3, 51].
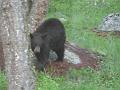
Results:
[3, 82]
[84, 79]
[81, 17]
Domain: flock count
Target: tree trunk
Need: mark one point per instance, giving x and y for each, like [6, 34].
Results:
[17, 19]
[2, 64]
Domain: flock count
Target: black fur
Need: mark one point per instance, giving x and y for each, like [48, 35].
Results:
[50, 35]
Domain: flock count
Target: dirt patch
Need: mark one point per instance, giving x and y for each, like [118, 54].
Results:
[88, 59]
[106, 33]
[58, 68]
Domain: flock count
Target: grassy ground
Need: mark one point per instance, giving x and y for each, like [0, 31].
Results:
[3, 82]
[81, 16]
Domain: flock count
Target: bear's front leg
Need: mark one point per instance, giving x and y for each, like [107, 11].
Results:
[60, 54]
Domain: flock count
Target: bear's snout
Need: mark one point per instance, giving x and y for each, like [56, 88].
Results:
[37, 49]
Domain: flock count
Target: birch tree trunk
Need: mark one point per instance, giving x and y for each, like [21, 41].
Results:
[17, 19]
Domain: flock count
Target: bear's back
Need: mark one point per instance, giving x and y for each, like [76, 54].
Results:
[51, 25]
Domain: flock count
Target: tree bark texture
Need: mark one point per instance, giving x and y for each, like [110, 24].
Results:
[17, 19]
[2, 64]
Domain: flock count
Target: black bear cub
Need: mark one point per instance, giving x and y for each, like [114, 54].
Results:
[50, 35]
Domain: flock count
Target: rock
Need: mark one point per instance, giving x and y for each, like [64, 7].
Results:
[72, 57]
[110, 23]
[69, 56]
[52, 55]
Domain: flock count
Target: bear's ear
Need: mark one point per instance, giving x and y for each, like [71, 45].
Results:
[31, 36]
[44, 35]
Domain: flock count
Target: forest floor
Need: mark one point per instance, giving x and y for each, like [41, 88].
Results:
[87, 59]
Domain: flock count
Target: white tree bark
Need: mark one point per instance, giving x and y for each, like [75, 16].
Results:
[17, 19]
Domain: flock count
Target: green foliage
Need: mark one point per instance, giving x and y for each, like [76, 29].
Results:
[45, 82]
[3, 82]
[84, 79]
[81, 16]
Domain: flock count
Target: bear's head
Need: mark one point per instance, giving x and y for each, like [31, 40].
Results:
[37, 41]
